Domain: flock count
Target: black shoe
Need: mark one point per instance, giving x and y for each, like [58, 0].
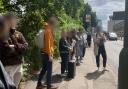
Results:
[52, 87]
[40, 86]
[77, 64]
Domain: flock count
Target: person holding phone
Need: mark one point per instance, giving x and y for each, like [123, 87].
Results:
[99, 47]
[64, 49]
[16, 45]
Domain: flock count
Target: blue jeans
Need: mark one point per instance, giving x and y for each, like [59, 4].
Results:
[47, 67]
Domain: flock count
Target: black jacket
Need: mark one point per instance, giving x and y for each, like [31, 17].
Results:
[89, 37]
[63, 46]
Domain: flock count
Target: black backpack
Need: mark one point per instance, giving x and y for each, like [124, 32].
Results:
[5, 80]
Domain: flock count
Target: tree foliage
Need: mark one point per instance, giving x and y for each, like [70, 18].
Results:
[93, 19]
[88, 11]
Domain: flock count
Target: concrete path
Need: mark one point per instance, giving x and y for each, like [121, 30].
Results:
[87, 76]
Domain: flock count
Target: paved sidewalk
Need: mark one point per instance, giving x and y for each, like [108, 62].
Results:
[86, 77]
[31, 84]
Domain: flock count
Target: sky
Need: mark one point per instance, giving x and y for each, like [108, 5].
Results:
[105, 8]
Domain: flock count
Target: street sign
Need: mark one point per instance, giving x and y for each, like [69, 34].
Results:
[88, 18]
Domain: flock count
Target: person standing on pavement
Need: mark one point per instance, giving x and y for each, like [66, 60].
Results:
[99, 47]
[47, 55]
[17, 45]
[89, 39]
[84, 35]
[82, 47]
[79, 48]
[64, 49]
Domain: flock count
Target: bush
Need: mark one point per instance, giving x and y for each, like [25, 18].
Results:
[29, 25]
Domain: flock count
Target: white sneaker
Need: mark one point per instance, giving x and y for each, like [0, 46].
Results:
[104, 69]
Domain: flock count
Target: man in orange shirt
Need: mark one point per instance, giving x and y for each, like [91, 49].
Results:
[47, 55]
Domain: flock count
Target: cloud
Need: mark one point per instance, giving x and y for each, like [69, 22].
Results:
[102, 2]
[105, 8]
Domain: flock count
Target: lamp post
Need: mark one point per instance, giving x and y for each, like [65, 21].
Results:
[123, 62]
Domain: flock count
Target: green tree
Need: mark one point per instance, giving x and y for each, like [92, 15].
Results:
[93, 19]
[88, 11]
[72, 7]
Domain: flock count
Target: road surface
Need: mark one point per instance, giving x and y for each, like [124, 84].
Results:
[113, 49]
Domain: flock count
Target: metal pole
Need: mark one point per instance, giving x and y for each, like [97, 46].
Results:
[126, 26]
[123, 62]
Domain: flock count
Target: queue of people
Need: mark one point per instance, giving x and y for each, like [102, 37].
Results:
[72, 46]
[75, 47]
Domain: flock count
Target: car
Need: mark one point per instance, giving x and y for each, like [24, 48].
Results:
[112, 36]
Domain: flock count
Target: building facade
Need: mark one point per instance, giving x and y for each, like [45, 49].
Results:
[116, 23]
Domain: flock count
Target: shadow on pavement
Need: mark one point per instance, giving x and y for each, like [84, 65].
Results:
[94, 75]
[56, 78]
[35, 77]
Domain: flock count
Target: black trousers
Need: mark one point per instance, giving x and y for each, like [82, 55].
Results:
[89, 43]
[102, 52]
[84, 50]
[64, 63]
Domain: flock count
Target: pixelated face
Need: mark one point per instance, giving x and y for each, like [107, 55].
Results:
[7, 26]
[13, 22]
[52, 22]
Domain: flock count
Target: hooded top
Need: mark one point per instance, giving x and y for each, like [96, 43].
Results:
[48, 40]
